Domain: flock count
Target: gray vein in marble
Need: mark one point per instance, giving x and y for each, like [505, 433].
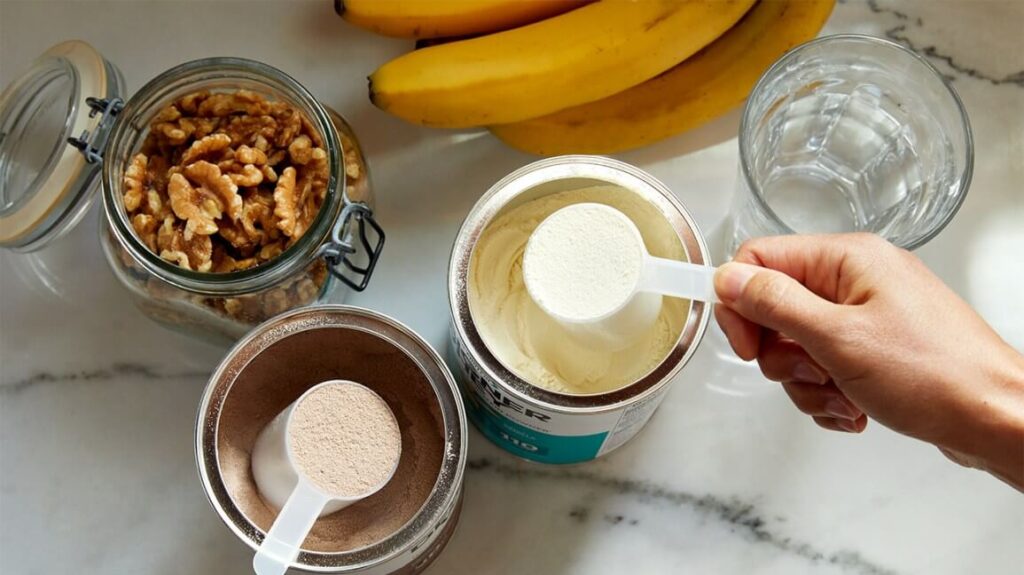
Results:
[616, 519]
[741, 516]
[115, 371]
[898, 34]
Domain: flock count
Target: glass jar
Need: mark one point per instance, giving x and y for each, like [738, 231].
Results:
[336, 254]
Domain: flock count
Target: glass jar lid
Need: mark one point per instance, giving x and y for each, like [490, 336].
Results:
[68, 96]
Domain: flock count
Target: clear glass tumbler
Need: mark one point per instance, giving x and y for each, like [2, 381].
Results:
[851, 133]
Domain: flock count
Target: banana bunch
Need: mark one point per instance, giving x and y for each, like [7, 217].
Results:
[573, 76]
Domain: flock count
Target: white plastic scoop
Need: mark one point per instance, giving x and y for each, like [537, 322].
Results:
[586, 266]
[338, 444]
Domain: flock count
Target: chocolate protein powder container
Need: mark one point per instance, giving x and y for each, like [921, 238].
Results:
[400, 529]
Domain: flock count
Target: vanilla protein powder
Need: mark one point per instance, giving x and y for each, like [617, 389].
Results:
[530, 343]
[583, 262]
[344, 439]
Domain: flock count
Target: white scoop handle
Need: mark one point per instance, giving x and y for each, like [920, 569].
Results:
[678, 279]
[281, 545]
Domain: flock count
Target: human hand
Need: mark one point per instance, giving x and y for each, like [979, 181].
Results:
[854, 328]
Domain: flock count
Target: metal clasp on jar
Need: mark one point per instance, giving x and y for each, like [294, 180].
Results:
[91, 144]
[338, 251]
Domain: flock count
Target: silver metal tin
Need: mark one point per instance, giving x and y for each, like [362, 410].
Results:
[418, 542]
[532, 422]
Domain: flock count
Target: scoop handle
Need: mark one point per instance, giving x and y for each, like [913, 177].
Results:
[281, 545]
[679, 279]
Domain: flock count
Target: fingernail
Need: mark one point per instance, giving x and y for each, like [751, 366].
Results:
[808, 373]
[731, 278]
[848, 425]
[841, 410]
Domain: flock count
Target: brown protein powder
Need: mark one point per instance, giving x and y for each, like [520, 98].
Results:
[344, 439]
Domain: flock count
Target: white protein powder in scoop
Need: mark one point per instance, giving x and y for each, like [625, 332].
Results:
[521, 336]
[344, 439]
[583, 262]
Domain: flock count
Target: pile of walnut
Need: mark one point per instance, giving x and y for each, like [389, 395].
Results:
[226, 182]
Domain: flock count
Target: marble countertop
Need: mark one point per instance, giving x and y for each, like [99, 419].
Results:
[97, 404]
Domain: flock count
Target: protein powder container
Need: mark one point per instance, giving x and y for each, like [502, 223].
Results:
[527, 388]
[400, 529]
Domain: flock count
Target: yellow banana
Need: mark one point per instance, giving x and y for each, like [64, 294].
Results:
[584, 55]
[696, 91]
[437, 18]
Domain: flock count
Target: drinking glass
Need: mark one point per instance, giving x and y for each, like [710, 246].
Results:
[851, 133]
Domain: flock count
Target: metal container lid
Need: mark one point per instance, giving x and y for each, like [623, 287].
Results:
[68, 96]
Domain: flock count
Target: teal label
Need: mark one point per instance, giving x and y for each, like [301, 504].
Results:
[487, 405]
[529, 443]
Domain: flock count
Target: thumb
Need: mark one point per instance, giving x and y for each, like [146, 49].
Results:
[774, 300]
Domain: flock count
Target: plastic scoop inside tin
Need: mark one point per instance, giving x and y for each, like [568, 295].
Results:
[336, 445]
[587, 267]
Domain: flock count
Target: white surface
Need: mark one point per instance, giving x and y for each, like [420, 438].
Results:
[97, 406]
